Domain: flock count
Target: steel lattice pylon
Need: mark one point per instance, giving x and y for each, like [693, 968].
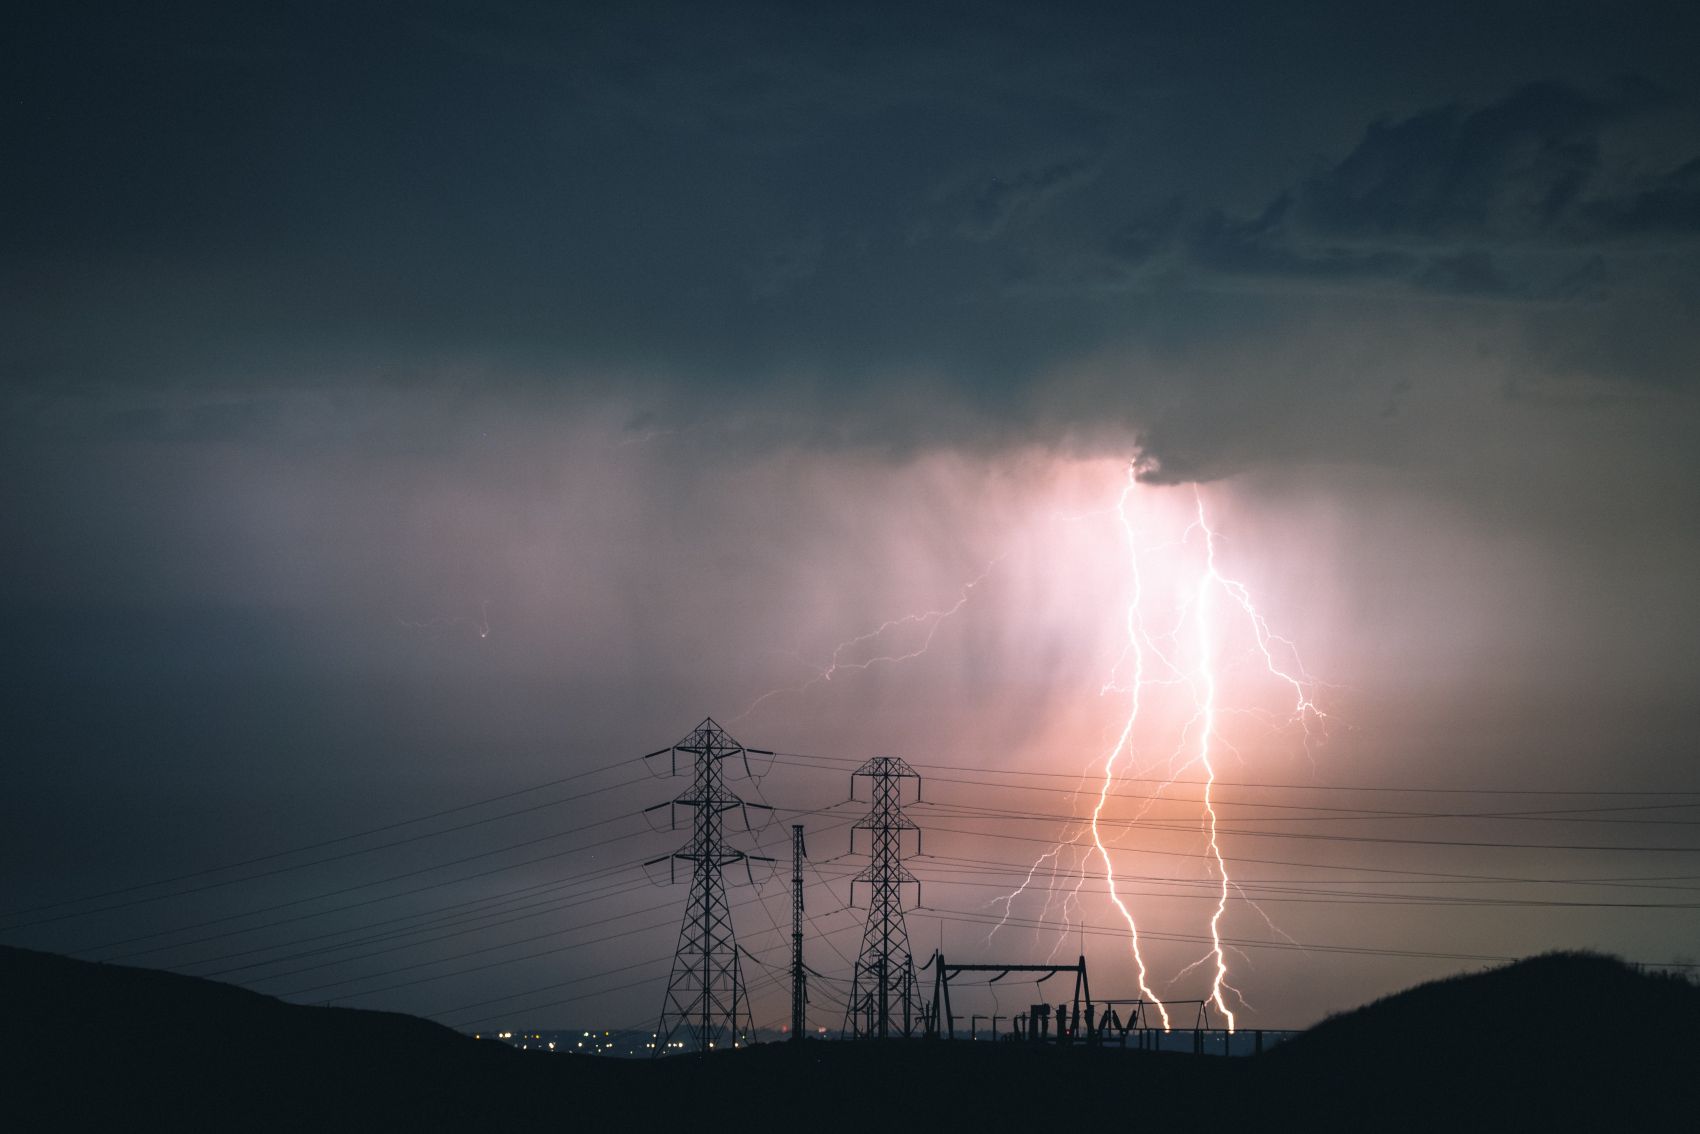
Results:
[884, 993]
[706, 1005]
[799, 974]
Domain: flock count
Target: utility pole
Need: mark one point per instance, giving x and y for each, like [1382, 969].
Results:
[884, 992]
[706, 1005]
[799, 975]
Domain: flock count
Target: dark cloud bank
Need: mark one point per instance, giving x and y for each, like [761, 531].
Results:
[872, 228]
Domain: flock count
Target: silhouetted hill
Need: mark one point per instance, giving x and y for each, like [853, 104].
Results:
[93, 1041]
[1555, 1041]
[1561, 1042]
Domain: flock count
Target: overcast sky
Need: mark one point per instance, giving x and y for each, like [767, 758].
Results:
[405, 405]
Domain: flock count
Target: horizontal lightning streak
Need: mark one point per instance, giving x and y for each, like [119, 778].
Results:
[932, 619]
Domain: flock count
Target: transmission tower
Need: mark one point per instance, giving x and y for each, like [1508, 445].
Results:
[706, 1005]
[799, 975]
[884, 994]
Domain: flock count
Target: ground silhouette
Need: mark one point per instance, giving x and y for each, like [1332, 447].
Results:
[1558, 1041]
[1563, 1041]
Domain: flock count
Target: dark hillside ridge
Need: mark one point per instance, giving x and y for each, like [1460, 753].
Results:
[1542, 1043]
[86, 1041]
[1559, 1042]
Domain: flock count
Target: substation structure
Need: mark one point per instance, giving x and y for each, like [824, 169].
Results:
[1079, 1020]
[707, 1005]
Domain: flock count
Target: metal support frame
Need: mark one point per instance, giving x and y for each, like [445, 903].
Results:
[1112, 1026]
[1068, 1030]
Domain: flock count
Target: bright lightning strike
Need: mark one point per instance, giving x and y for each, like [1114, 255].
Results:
[1185, 656]
[1136, 643]
[1305, 711]
[1206, 732]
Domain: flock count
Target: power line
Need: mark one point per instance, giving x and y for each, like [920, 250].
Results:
[1149, 825]
[1361, 814]
[1185, 938]
[543, 988]
[490, 901]
[334, 841]
[1304, 896]
[393, 878]
[759, 899]
[550, 905]
[1426, 877]
[972, 918]
[389, 897]
[317, 862]
[1153, 851]
[789, 757]
[1262, 786]
[482, 950]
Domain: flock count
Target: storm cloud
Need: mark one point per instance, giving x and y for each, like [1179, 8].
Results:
[821, 228]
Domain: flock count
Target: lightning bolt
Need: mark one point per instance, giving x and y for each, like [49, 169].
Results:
[1305, 711]
[479, 625]
[836, 663]
[1169, 659]
[1207, 731]
[1008, 900]
[1134, 624]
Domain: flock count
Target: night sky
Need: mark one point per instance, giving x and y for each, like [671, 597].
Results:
[402, 406]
